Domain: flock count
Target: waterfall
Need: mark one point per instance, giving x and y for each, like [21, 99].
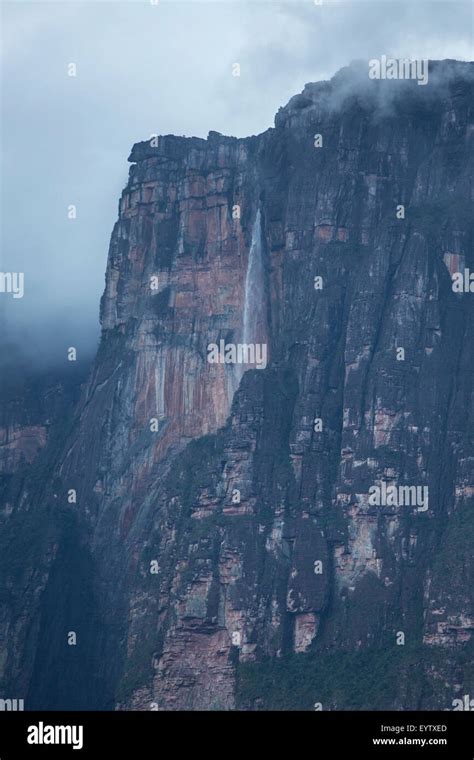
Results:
[255, 305]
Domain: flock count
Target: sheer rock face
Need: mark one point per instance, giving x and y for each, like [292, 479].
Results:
[240, 523]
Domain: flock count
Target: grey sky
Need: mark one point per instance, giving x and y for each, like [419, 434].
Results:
[144, 69]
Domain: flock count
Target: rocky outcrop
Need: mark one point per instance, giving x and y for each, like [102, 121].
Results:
[320, 506]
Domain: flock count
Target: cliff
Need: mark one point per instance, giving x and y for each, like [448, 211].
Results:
[222, 548]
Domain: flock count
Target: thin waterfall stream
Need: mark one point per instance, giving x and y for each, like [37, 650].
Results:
[255, 308]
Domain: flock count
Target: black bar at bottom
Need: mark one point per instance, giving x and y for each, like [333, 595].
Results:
[142, 734]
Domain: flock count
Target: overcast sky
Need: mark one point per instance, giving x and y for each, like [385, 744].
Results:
[144, 69]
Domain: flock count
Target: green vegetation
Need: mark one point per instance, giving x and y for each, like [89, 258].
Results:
[456, 545]
[138, 668]
[364, 680]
